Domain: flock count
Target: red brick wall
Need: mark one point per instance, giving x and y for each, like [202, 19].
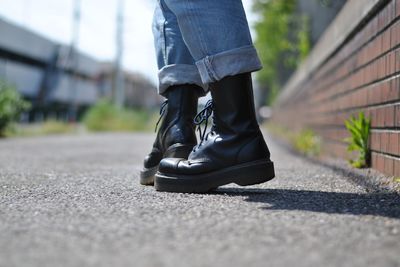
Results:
[362, 75]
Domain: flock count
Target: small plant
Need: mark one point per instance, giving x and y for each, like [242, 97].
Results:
[11, 106]
[359, 129]
[106, 117]
[307, 142]
[49, 127]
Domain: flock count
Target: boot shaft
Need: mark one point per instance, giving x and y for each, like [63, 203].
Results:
[177, 125]
[233, 101]
[182, 102]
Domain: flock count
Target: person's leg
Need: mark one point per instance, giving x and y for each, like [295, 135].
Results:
[175, 63]
[217, 35]
[180, 83]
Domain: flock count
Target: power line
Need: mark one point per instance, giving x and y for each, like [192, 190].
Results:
[73, 58]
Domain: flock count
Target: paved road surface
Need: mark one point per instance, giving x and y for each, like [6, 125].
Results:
[76, 201]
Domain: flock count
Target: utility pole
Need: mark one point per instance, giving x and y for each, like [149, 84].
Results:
[73, 59]
[26, 12]
[119, 83]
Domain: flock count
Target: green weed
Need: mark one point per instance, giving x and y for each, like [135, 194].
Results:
[11, 106]
[104, 116]
[359, 129]
[307, 142]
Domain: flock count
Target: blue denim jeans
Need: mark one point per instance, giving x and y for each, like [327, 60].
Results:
[201, 41]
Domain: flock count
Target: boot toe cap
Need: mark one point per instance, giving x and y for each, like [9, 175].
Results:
[169, 165]
[180, 166]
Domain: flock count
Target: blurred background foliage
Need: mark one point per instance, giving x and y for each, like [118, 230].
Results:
[286, 31]
[12, 105]
[282, 40]
[105, 116]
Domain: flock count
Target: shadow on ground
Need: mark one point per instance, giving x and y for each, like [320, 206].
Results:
[377, 204]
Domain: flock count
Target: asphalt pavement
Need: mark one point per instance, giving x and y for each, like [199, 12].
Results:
[76, 201]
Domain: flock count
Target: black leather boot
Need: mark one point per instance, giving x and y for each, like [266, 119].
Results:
[176, 136]
[234, 151]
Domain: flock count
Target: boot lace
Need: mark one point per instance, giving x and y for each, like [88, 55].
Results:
[202, 117]
[163, 109]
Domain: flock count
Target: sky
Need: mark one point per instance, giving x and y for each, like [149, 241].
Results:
[53, 19]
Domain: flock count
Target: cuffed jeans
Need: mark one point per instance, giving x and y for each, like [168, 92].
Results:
[201, 41]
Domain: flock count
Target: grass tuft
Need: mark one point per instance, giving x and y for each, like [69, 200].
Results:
[359, 129]
[306, 142]
[50, 127]
[106, 117]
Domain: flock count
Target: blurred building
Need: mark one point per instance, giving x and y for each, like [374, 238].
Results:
[57, 79]
[139, 91]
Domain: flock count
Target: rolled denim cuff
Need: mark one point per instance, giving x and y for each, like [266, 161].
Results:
[178, 74]
[240, 60]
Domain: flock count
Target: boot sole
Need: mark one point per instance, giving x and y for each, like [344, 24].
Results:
[251, 173]
[147, 175]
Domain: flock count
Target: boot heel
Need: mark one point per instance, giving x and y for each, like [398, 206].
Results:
[147, 175]
[178, 151]
[256, 174]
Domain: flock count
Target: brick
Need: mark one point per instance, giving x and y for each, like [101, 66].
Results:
[378, 140]
[372, 115]
[394, 143]
[389, 116]
[380, 22]
[387, 64]
[375, 70]
[370, 90]
[385, 91]
[380, 164]
[386, 15]
[380, 118]
[396, 171]
[384, 142]
[377, 95]
[392, 10]
[397, 8]
[385, 41]
[389, 166]
[394, 90]
[364, 97]
[392, 62]
[397, 116]
[373, 160]
[395, 35]
[375, 141]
